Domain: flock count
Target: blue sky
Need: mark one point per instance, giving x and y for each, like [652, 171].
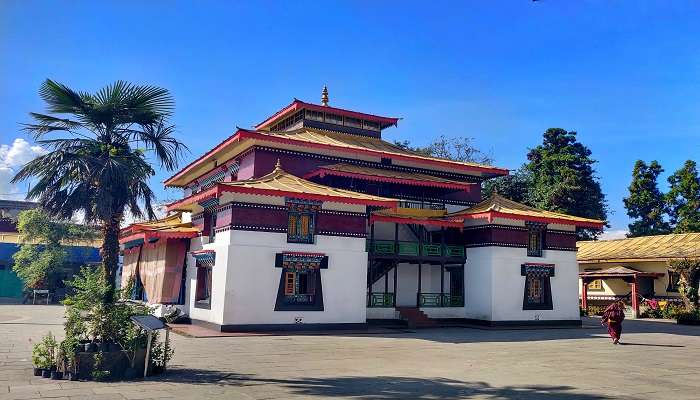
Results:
[624, 74]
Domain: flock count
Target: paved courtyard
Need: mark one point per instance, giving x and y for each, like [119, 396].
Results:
[658, 361]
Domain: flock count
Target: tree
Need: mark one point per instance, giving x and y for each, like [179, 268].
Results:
[450, 148]
[99, 169]
[689, 271]
[42, 246]
[563, 178]
[645, 202]
[683, 198]
[515, 186]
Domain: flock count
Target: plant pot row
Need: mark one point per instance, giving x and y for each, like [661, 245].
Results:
[93, 347]
[52, 373]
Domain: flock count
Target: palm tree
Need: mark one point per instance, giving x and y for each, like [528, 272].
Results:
[101, 169]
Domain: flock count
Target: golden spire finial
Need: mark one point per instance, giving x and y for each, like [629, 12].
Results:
[278, 166]
[324, 96]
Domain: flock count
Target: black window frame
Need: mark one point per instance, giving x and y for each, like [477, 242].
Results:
[672, 287]
[537, 231]
[543, 274]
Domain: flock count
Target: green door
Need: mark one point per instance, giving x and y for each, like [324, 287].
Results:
[10, 284]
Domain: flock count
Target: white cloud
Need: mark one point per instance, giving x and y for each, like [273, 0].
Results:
[613, 234]
[12, 158]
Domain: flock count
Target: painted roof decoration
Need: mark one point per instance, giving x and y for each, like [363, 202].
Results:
[387, 175]
[417, 216]
[281, 183]
[499, 206]
[297, 105]
[618, 271]
[168, 227]
[645, 248]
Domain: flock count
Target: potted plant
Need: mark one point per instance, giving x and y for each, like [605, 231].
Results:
[40, 359]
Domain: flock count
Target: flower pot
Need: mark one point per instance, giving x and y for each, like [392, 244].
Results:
[104, 346]
[56, 375]
[114, 347]
[46, 373]
[90, 347]
[37, 371]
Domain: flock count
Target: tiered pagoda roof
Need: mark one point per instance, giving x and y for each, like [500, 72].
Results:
[497, 206]
[281, 183]
[417, 216]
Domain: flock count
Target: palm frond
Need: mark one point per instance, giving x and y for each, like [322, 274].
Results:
[158, 138]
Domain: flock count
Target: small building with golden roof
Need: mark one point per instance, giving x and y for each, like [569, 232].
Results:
[632, 269]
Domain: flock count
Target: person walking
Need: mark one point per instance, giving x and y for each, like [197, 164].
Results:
[613, 317]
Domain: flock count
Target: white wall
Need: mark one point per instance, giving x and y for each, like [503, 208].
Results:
[494, 286]
[247, 291]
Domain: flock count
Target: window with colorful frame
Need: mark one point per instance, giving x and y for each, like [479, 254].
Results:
[538, 289]
[535, 239]
[673, 278]
[301, 222]
[596, 285]
[203, 291]
[300, 281]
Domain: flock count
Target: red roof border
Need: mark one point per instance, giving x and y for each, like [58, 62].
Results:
[490, 215]
[299, 105]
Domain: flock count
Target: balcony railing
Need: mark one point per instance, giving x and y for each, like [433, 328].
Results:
[440, 300]
[380, 300]
[389, 247]
[421, 204]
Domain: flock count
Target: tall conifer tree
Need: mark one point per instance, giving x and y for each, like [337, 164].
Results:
[563, 178]
[683, 198]
[645, 203]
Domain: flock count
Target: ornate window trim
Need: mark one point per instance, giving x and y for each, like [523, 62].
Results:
[301, 220]
[537, 278]
[300, 281]
[535, 238]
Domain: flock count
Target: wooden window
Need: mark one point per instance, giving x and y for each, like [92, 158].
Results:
[314, 115]
[353, 122]
[596, 285]
[538, 290]
[370, 125]
[334, 119]
[534, 240]
[289, 283]
[300, 227]
[673, 278]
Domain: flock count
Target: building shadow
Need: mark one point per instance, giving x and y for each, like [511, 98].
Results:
[649, 344]
[381, 387]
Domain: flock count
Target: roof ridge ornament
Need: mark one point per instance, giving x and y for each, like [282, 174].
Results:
[278, 165]
[324, 96]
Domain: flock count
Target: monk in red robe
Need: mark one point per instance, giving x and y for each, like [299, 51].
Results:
[613, 317]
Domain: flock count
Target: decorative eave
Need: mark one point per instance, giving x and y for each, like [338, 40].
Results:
[618, 272]
[297, 105]
[266, 186]
[405, 178]
[167, 228]
[497, 206]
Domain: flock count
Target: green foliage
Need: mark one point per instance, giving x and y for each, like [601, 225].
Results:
[44, 352]
[689, 271]
[450, 148]
[646, 203]
[683, 198]
[515, 186]
[563, 178]
[96, 168]
[42, 246]
[688, 317]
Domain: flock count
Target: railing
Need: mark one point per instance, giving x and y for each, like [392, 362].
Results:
[389, 247]
[440, 300]
[421, 205]
[380, 300]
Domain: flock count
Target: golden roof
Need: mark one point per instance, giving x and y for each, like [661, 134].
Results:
[617, 271]
[645, 248]
[359, 142]
[282, 183]
[369, 173]
[171, 226]
[417, 216]
[499, 206]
